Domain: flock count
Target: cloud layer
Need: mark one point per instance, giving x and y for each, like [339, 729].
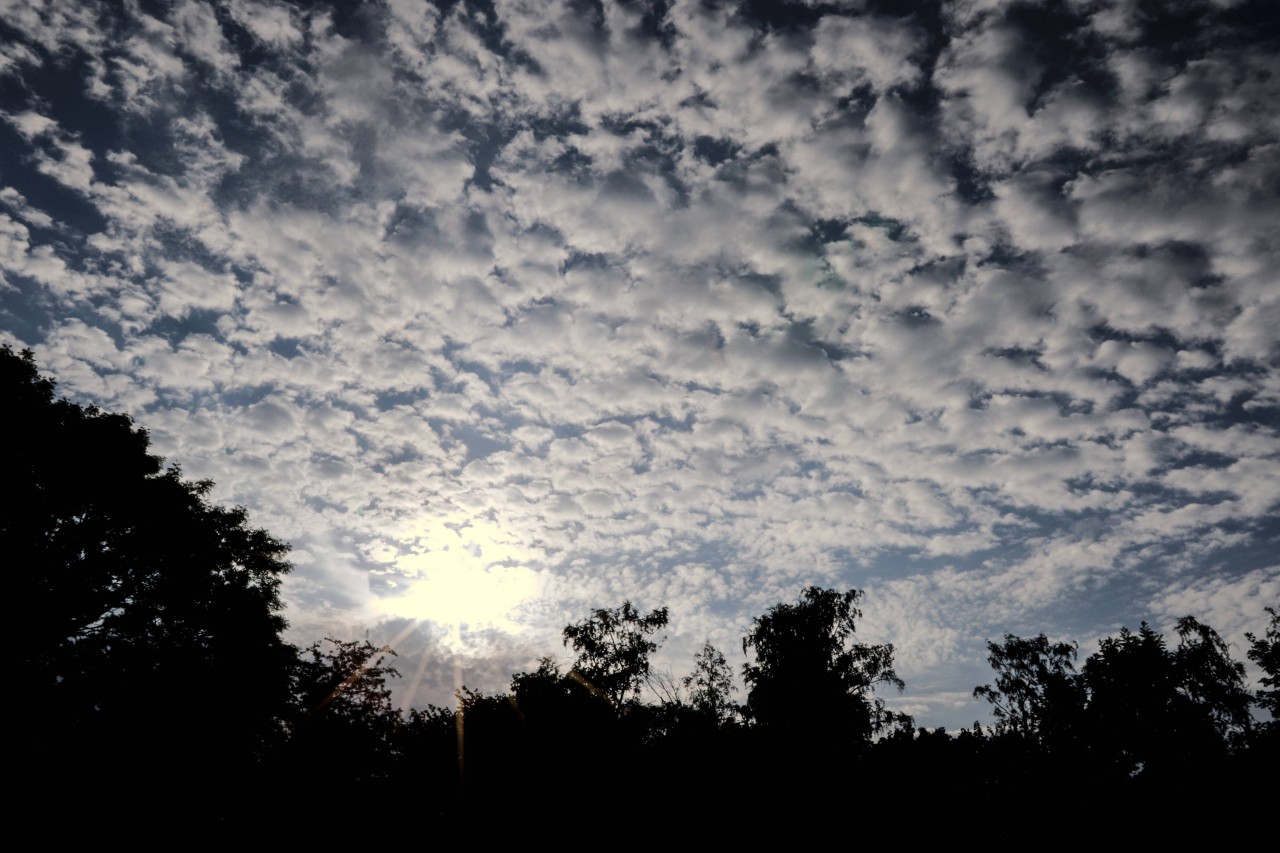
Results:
[501, 312]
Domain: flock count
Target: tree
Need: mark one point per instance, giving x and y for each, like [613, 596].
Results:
[710, 685]
[1265, 653]
[1211, 681]
[345, 679]
[809, 674]
[343, 725]
[1037, 695]
[151, 617]
[613, 649]
[1132, 688]
[1156, 711]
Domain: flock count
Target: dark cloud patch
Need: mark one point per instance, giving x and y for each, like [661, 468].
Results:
[195, 322]
[627, 186]
[782, 16]
[68, 205]
[56, 87]
[289, 348]
[27, 309]
[485, 143]
[390, 399]
[1059, 42]
[1184, 30]
[413, 224]
[655, 20]
[563, 122]
[573, 164]
[479, 444]
[583, 261]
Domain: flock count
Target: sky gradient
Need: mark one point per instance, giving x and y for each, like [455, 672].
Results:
[501, 312]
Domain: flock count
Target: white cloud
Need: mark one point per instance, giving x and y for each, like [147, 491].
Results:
[1035, 212]
[276, 24]
[865, 48]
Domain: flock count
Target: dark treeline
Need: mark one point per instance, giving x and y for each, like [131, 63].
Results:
[154, 689]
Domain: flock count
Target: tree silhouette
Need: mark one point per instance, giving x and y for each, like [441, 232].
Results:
[1037, 695]
[343, 725]
[1132, 690]
[1211, 681]
[151, 617]
[1265, 746]
[710, 685]
[809, 675]
[613, 649]
[345, 679]
[1158, 712]
[1265, 653]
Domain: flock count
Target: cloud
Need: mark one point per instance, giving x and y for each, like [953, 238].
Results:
[682, 309]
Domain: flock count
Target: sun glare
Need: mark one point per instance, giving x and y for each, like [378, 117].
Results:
[464, 575]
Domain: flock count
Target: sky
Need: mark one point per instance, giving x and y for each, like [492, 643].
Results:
[500, 312]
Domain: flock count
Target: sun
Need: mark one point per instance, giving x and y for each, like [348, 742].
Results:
[466, 574]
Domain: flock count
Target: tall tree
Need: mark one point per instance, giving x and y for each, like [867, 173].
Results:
[1211, 681]
[614, 646]
[1037, 695]
[345, 679]
[710, 685]
[1132, 690]
[343, 724]
[809, 675]
[1158, 712]
[1265, 652]
[151, 617]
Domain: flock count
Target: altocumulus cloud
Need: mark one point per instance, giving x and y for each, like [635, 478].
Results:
[500, 311]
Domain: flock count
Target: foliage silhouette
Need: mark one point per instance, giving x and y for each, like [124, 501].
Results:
[1265, 652]
[1037, 695]
[1160, 713]
[345, 679]
[1263, 756]
[710, 685]
[152, 616]
[343, 724]
[808, 674]
[1132, 691]
[613, 649]
[1211, 681]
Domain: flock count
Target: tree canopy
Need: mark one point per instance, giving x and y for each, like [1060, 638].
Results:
[152, 614]
[614, 647]
[1265, 652]
[1037, 694]
[809, 673]
[1153, 710]
[342, 721]
[710, 685]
